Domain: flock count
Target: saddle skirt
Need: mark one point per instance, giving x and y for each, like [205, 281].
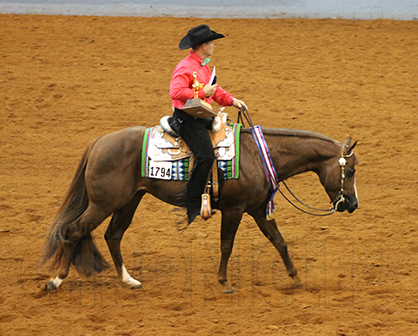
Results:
[168, 157]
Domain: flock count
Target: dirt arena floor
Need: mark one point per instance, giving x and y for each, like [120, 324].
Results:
[66, 80]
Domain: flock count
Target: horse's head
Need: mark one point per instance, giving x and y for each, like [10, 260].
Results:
[338, 179]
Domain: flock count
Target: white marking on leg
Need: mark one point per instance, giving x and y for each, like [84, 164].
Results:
[57, 282]
[126, 278]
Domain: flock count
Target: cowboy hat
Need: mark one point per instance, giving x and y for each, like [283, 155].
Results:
[198, 35]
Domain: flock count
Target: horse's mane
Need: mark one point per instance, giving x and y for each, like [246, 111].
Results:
[292, 133]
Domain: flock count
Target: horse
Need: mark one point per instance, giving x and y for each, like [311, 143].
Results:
[108, 181]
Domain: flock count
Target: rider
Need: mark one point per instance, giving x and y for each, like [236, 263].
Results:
[193, 130]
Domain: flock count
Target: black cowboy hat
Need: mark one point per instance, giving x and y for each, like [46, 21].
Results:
[198, 35]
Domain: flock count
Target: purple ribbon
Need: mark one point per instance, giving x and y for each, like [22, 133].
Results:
[268, 166]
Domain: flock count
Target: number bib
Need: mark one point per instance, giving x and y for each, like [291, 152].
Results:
[160, 169]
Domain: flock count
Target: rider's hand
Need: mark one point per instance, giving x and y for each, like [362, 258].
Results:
[210, 90]
[239, 104]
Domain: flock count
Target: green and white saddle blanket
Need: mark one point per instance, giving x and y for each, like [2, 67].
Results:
[169, 158]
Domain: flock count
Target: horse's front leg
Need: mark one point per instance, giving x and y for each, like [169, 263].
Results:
[270, 230]
[230, 222]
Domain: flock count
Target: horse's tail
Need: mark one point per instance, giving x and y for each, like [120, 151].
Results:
[66, 221]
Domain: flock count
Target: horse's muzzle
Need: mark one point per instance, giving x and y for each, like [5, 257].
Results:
[348, 203]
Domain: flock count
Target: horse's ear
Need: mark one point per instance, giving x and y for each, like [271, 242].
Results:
[352, 147]
[347, 142]
[347, 146]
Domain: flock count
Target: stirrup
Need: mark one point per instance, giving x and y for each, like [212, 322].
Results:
[206, 210]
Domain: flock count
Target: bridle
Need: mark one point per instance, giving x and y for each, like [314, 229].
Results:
[339, 199]
[342, 161]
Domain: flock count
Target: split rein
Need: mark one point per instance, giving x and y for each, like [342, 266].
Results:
[340, 198]
[243, 113]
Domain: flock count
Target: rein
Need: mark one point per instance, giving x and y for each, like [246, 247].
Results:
[330, 211]
[342, 162]
[244, 111]
[340, 197]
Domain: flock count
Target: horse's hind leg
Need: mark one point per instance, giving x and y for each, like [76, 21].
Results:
[71, 247]
[270, 230]
[120, 222]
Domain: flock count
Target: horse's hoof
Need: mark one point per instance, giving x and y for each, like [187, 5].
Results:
[298, 283]
[299, 286]
[50, 286]
[228, 291]
[133, 283]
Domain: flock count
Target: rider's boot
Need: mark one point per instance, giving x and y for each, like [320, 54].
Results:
[196, 187]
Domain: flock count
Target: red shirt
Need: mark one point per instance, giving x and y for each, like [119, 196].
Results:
[181, 84]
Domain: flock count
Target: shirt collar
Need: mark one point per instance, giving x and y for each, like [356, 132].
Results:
[195, 56]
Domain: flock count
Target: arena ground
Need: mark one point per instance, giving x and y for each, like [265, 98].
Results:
[65, 80]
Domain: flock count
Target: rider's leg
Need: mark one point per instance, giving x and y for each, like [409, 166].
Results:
[193, 132]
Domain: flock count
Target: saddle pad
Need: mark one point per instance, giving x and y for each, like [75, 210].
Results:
[169, 158]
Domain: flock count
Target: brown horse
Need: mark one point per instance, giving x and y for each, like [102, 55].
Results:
[108, 181]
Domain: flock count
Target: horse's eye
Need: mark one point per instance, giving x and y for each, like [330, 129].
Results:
[350, 172]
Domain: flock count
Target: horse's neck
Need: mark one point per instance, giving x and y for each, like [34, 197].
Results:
[295, 155]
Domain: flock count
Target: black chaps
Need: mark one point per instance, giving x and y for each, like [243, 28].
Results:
[194, 132]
